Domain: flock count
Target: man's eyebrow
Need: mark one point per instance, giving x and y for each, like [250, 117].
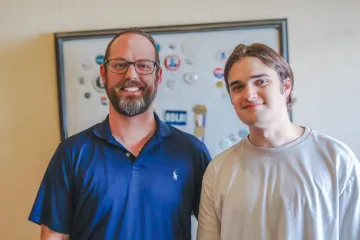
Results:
[235, 82]
[119, 58]
[259, 76]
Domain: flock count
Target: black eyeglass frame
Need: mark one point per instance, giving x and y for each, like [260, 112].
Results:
[107, 61]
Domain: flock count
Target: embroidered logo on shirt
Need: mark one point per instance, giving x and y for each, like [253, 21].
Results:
[174, 175]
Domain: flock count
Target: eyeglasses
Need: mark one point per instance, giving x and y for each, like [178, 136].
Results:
[142, 67]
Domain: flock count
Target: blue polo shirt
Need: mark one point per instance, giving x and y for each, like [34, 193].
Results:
[94, 189]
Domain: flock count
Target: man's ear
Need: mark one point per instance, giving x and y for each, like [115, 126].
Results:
[103, 73]
[159, 75]
[287, 87]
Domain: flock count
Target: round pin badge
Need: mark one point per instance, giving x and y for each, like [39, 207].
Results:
[81, 80]
[243, 133]
[171, 83]
[87, 95]
[218, 72]
[190, 47]
[225, 144]
[98, 84]
[86, 65]
[189, 61]
[234, 137]
[219, 84]
[158, 47]
[172, 62]
[191, 77]
[221, 55]
[172, 46]
[99, 59]
[104, 101]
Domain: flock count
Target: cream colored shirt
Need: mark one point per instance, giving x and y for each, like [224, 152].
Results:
[306, 190]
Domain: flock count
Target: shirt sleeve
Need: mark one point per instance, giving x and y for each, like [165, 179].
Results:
[53, 205]
[205, 158]
[208, 223]
[349, 208]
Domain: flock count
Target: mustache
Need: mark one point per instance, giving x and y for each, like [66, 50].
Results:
[131, 83]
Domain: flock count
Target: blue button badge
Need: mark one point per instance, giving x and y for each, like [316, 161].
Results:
[99, 59]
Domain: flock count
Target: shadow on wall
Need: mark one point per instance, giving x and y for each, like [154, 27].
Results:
[29, 128]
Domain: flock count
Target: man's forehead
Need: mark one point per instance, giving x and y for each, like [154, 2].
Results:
[132, 44]
[133, 40]
[249, 66]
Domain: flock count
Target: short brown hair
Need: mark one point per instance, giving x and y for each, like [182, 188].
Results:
[136, 31]
[269, 57]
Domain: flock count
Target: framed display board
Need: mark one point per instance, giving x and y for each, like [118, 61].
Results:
[192, 96]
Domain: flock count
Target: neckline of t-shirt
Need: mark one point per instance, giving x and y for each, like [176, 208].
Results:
[248, 145]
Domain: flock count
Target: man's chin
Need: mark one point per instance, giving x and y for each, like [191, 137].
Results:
[131, 97]
[132, 113]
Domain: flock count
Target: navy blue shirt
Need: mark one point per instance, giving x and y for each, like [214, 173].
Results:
[94, 189]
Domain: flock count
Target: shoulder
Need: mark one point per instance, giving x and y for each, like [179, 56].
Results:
[71, 148]
[332, 148]
[78, 140]
[329, 142]
[186, 140]
[340, 154]
[226, 157]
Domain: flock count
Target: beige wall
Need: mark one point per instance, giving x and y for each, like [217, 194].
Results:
[324, 42]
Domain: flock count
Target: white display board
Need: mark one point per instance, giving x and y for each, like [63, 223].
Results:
[192, 58]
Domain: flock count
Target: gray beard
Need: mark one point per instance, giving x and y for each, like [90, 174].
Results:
[130, 106]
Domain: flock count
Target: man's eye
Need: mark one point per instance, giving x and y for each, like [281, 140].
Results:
[145, 66]
[237, 88]
[261, 82]
[120, 65]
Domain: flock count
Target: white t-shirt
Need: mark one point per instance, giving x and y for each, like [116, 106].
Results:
[308, 189]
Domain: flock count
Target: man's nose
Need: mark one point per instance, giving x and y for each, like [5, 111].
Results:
[251, 93]
[131, 72]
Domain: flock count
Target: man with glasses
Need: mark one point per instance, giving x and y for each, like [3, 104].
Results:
[130, 176]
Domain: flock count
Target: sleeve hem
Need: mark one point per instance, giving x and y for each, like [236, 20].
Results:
[54, 227]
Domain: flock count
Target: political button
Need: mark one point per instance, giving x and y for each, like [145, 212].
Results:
[221, 55]
[219, 84]
[225, 144]
[171, 83]
[191, 77]
[218, 72]
[87, 95]
[99, 59]
[98, 84]
[172, 62]
[172, 46]
[189, 61]
[190, 47]
[81, 80]
[104, 101]
[158, 47]
[86, 65]
[243, 133]
[234, 137]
